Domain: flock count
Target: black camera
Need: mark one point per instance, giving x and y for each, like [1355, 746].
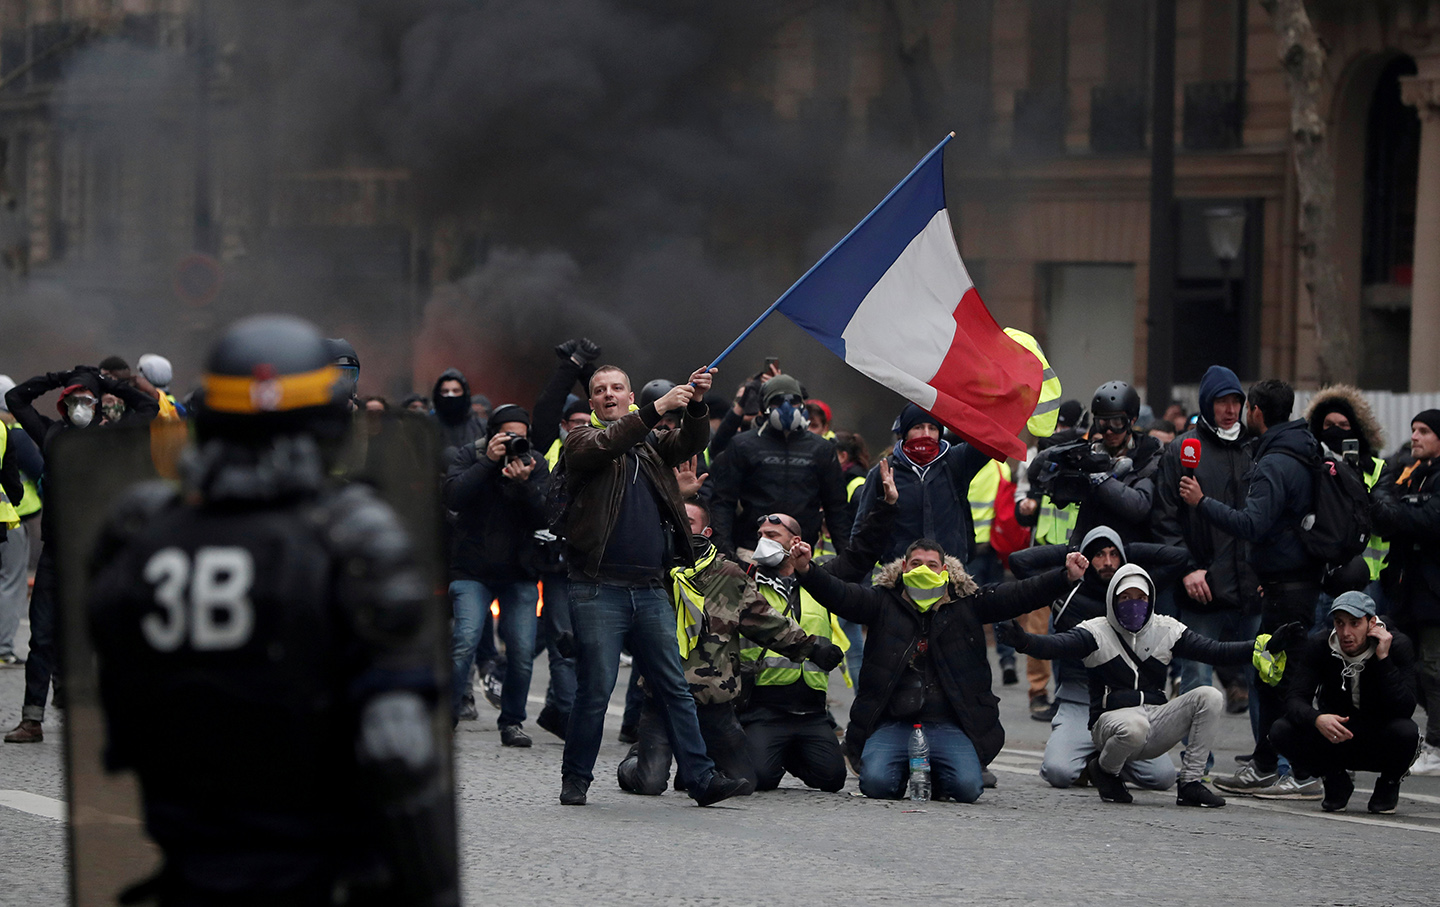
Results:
[1063, 472]
[517, 447]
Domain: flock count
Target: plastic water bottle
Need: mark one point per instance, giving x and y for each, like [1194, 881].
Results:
[919, 765]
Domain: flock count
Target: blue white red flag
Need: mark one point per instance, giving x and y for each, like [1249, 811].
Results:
[893, 299]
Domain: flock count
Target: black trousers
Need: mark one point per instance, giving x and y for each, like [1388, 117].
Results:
[646, 768]
[1281, 603]
[804, 746]
[1387, 747]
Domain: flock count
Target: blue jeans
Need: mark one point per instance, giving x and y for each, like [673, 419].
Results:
[561, 691]
[1226, 626]
[854, 656]
[639, 618]
[471, 601]
[954, 765]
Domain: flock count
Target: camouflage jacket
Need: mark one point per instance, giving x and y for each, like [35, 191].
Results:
[733, 608]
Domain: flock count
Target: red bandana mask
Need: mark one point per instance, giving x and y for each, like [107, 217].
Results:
[921, 450]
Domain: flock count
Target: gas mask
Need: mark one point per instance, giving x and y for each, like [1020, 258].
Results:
[788, 417]
[1132, 613]
[81, 412]
[769, 553]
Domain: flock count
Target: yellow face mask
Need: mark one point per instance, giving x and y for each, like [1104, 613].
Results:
[925, 586]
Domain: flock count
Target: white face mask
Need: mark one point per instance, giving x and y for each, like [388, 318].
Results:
[81, 414]
[769, 553]
[1231, 433]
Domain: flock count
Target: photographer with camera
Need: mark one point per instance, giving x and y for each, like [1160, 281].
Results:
[1406, 511]
[496, 489]
[1110, 474]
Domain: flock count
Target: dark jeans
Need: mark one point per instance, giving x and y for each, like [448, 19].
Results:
[803, 745]
[1427, 680]
[955, 770]
[646, 769]
[634, 701]
[1280, 604]
[1228, 625]
[1386, 747]
[560, 694]
[471, 600]
[608, 618]
[44, 659]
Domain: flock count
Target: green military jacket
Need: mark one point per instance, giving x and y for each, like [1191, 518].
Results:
[717, 602]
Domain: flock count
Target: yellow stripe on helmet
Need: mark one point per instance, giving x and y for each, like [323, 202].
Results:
[249, 395]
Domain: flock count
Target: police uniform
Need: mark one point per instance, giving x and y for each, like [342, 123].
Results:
[261, 664]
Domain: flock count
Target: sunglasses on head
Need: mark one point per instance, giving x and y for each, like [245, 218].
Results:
[778, 521]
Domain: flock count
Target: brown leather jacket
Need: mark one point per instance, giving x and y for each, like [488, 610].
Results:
[594, 461]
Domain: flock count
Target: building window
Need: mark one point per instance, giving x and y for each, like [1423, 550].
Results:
[1040, 107]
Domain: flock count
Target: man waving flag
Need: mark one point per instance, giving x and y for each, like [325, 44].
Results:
[893, 299]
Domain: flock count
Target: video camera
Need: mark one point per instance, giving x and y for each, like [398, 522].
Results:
[1063, 472]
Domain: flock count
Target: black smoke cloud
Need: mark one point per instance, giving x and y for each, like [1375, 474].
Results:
[610, 167]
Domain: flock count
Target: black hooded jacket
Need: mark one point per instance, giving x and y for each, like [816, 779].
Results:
[765, 471]
[1281, 491]
[1408, 514]
[1224, 466]
[495, 518]
[459, 428]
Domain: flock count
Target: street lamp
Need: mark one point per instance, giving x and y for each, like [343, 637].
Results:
[1226, 230]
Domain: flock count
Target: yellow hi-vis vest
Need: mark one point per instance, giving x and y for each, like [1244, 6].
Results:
[689, 603]
[9, 518]
[778, 671]
[825, 547]
[1053, 525]
[1042, 421]
[552, 456]
[1376, 549]
[983, 489]
[31, 503]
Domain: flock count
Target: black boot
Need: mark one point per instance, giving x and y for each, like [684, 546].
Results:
[1338, 788]
[1386, 796]
[572, 791]
[1195, 793]
[1110, 787]
[722, 787]
[553, 720]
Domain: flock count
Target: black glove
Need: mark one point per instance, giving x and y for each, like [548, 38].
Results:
[1009, 633]
[1095, 461]
[826, 655]
[565, 644]
[1286, 637]
[586, 350]
[58, 379]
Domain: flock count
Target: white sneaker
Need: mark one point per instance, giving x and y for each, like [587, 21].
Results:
[1245, 781]
[1428, 762]
[1287, 788]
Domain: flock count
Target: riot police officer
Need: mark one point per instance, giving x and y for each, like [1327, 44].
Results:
[276, 625]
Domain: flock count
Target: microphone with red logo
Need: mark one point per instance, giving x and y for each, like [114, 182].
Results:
[1190, 455]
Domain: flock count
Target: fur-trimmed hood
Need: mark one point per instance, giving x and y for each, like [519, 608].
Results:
[961, 583]
[1346, 399]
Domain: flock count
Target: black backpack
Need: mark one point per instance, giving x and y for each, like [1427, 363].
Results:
[1338, 526]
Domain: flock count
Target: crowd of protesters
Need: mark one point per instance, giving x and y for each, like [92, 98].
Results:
[744, 552]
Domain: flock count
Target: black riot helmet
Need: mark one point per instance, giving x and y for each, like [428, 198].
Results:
[1114, 398]
[271, 375]
[654, 391]
[342, 353]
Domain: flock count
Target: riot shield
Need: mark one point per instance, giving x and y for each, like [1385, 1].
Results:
[87, 473]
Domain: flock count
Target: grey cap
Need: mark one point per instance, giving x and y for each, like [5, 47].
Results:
[1357, 604]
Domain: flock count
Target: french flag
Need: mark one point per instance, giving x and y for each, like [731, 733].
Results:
[893, 299]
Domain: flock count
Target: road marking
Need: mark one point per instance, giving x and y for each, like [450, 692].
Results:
[34, 804]
[1336, 817]
[1035, 754]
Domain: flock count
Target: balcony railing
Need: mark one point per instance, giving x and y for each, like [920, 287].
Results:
[1040, 116]
[1214, 115]
[1118, 117]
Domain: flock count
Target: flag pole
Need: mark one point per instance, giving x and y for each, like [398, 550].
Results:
[783, 296]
